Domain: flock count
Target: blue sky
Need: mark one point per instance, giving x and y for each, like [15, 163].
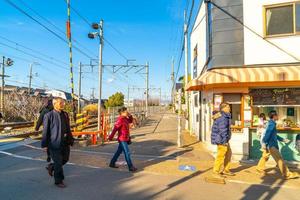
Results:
[147, 30]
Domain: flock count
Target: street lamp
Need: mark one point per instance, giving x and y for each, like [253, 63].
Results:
[93, 35]
[5, 62]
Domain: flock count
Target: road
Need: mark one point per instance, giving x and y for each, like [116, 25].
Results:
[154, 151]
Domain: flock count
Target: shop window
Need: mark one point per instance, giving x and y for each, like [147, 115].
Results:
[282, 19]
[234, 101]
[289, 117]
[297, 17]
[196, 100]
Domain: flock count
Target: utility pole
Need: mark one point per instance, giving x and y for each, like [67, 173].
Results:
[173, 82]
[128, 102]
[100, 72]
[79, 88]
[186, 68]
[31, 76]
[7, 62]
[147, 87]
[99, 33]
[2, 86]
[93, 93]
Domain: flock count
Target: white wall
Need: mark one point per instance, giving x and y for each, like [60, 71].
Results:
[259, 51]
[198, 38]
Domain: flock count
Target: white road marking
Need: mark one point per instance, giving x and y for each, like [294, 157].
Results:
[150, 158]
[42, 160]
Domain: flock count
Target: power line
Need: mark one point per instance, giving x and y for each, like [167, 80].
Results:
[44, 26]
[55, 26]
[30, 49]
[112, 46]
[32, 55]
[89, 24]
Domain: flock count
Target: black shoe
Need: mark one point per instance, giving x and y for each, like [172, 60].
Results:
[50, 169]
[113, 166]
[133, 169]
[60, 185]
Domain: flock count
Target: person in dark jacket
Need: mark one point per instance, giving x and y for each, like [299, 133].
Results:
[47, 108]
[57, 137]
[122, 127]
[270, 147]
[220, 136]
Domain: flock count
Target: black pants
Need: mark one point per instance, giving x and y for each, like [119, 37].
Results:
[60, 157]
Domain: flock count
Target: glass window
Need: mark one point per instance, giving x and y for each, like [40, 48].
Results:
[279, 20]
[298, 17]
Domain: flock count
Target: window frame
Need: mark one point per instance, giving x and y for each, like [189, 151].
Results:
[278, 5]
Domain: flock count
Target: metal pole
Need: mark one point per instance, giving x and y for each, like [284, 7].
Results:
[159, 99]
[179, 119]
[100, 73]
[128, 96]
[30, 77]
[147, 87]
[186, 68]
[2, 87]
[79, 87]
[71, 58]
[173, 82]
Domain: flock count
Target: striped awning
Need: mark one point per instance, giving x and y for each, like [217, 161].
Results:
[247, 77]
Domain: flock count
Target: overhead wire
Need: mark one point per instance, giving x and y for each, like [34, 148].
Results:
[44, 26]
[55, 26]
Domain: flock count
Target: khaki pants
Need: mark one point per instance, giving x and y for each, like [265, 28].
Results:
[223, 159]
[277, 157]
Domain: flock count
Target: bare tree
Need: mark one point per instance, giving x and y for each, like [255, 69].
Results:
[22, 107]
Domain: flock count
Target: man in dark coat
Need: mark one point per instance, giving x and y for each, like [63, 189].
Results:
[220, 136]
[57, 137]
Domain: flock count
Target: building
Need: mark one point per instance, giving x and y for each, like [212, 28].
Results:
[246, 53]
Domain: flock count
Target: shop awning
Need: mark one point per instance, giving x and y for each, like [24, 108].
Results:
[247, 77]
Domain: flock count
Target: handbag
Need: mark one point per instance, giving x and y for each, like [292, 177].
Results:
[129, 142]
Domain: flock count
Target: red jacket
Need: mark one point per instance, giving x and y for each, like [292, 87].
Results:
[122, 126]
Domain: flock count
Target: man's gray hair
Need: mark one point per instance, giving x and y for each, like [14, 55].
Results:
[56, 99]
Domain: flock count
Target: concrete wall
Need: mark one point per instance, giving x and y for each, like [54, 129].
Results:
[257, 49]
[227, 34]
[197, 41]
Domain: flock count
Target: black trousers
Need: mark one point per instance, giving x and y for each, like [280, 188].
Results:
[60, 157]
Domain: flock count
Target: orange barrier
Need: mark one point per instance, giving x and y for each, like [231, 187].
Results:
[103, 132]
[92, 133]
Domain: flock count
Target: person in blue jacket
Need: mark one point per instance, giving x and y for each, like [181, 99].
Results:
[220, 136]
[270, 147]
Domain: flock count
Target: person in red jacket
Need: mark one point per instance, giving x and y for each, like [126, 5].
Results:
[122, 127]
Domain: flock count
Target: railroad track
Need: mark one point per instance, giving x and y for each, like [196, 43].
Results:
[16, 125]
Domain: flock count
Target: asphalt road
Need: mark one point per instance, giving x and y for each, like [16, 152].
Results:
[23, 175]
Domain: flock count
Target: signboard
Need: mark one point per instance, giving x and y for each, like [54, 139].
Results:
[275, 96]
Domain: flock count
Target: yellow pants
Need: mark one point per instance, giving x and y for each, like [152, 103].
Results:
[277, 157]
[223, 159]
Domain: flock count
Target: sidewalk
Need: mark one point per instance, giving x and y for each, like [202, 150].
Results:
[154, 150]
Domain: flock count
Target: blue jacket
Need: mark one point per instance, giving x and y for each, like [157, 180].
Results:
[271, 137]
[52, 134]
[221, 132]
